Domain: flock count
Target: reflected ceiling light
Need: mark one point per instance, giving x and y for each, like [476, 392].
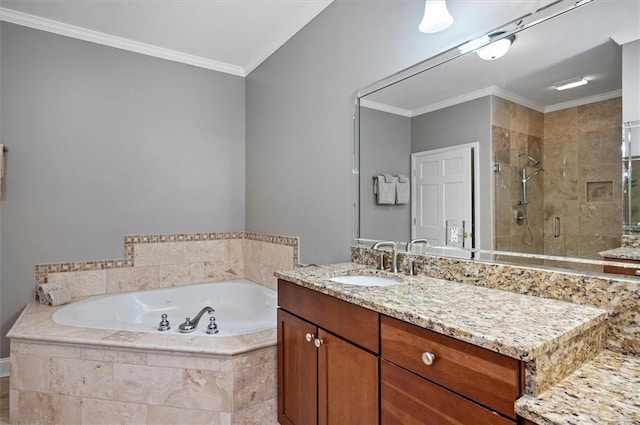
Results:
[569, 84]
[490, 51]
[436, 16]
[497, 49]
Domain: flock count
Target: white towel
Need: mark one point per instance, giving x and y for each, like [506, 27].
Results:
[385, 189]
[403, 190]
[53, 292]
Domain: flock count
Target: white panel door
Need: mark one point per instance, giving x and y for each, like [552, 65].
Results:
[442, 208]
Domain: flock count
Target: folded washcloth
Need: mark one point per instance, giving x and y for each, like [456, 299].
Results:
[385, 189]
[403, 190]
[58, 296]
[45, 289]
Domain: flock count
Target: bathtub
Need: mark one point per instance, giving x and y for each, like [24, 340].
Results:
[241, 307]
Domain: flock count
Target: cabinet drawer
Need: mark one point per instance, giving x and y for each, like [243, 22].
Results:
[622, 270]
[487, 377]
[408, 399]
[353, 323]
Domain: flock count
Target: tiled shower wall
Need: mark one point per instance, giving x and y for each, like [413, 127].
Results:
[516, 130]
[156, 261]
[583, 178]
[579, 149]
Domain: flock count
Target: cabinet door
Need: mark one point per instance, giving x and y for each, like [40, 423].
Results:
[297, 377]
[347, 383]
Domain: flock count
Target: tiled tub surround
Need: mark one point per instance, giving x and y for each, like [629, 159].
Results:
[604, 390]
[65, 374]
[552, 338]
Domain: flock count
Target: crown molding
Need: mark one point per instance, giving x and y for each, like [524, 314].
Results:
[583, 101]
[285, 34]
[385, 108]
[626, 36]
[60, 28]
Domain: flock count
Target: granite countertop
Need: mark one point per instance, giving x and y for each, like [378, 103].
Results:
[623, 253]
[603, 391]
[519, 326]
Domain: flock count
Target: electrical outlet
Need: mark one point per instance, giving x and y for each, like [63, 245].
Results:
[453, 234]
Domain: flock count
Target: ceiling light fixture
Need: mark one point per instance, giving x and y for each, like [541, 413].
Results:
[569, 84]
[491, 50]
[436, 17]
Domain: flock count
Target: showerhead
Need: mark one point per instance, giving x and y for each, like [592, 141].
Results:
[531, 160]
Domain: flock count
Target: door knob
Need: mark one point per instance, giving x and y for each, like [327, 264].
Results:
[318, 342]
[309, 337]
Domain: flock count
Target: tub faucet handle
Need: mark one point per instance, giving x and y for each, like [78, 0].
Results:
[164, 324]
[212, 328]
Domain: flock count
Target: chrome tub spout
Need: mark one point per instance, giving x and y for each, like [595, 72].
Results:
[191, 325]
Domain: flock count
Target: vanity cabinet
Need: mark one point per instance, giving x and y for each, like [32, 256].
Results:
[629, 271]
[327, 359]
[430, 378]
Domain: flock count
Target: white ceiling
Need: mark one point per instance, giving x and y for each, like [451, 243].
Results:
[575, 44]
[232, 36]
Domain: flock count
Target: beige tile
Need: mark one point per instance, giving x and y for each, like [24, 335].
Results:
[46, 350]
[29, 372]
[233, 251]
[500, 139]
[201, 251]
[500, 109]
[81, 378]
[38, 408]
[278, 256]
[161, 415]
[148, 384]
[261, 274]
[152, 254]
[254, 385]
[208, 390]
[132, 278]
[193, 362]
[559, 124]
[256, 358]
[114, 356]
[599, 115]
[536, 123]
[264, 413]
[519, 118]
[82, 284]
[112, 412]
[14, 409]
[215, 272]
[181, 274]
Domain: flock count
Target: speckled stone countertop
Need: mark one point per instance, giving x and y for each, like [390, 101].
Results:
[623, 253]
[603, 391]
[519, 326]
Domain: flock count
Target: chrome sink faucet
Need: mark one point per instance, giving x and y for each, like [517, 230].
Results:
[417, 241]
[394, 248]
[190, 325]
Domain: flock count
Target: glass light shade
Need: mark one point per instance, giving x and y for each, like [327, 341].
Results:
[436, 17]
[495, 50]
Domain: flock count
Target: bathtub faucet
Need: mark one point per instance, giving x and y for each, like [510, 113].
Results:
[190, 325]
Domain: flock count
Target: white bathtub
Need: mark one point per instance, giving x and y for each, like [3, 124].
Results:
[240, 307]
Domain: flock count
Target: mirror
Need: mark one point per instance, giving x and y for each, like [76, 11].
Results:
[544, 170]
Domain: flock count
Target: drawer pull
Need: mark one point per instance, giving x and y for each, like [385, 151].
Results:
[309, 337]
[318, 342]
[637, 272]
[428, 358]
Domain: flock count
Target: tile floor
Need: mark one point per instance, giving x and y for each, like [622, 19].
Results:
[4, 401]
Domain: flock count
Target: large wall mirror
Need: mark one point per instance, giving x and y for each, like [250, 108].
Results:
[498, 156]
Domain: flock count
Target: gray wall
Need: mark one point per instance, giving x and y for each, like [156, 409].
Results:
[105, 143]
[385, 148]
[300, 111]
[456, 125]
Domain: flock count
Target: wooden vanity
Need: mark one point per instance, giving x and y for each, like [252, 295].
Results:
[339, 363]
[352, 361]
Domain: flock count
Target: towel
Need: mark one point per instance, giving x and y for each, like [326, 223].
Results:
[403, 190]
[54, 293]
[2, 157]
[385, 189]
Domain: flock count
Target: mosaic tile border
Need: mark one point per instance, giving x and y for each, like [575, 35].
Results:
[43, 270]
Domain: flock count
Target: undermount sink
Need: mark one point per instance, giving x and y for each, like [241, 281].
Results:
[364, 280]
